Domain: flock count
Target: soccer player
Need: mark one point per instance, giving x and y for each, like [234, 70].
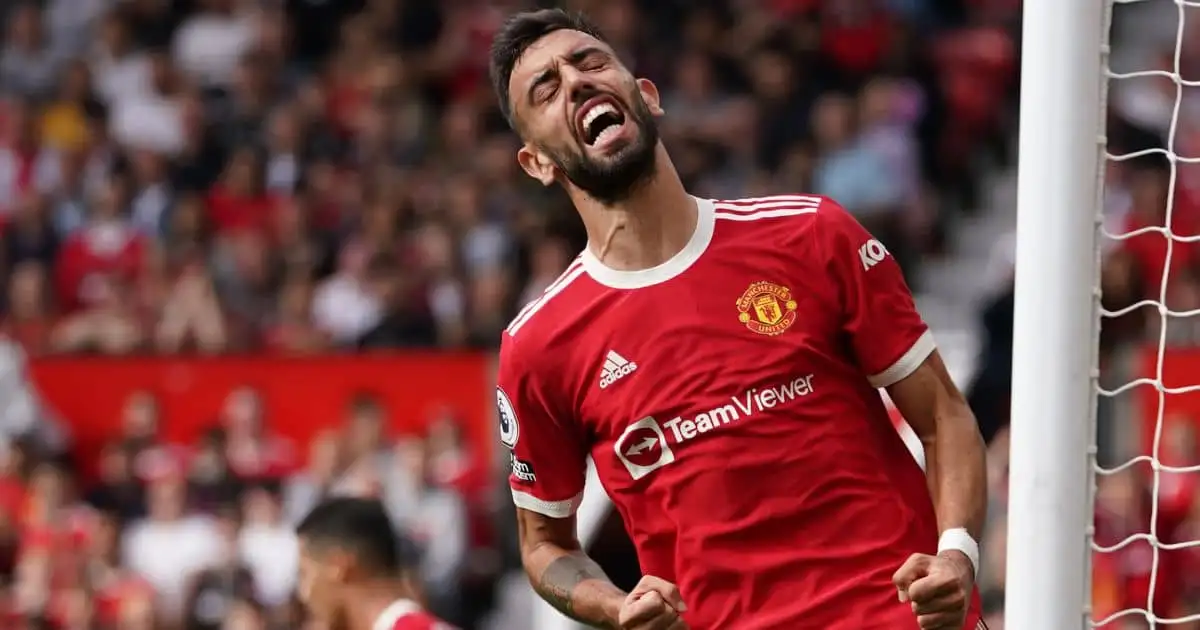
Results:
[719, 362]
[351, 573]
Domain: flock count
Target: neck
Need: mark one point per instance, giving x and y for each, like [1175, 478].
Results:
[644, 230]
[374, 599]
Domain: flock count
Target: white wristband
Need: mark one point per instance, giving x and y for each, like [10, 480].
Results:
[960, 539]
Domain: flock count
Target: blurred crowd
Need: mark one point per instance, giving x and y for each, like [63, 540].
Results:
[310, 176]
[298, 176]
[200, 536]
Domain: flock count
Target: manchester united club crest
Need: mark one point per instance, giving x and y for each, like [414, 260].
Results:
[767, 308]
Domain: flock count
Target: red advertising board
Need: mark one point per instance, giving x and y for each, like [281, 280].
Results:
[301, 396]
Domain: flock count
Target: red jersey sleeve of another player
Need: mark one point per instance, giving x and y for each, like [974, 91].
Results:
[420, 621]
[888, 336]
[549, 461]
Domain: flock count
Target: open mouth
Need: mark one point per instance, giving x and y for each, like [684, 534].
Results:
[601, 120]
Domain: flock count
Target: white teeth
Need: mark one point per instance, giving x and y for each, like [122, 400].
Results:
[606, 135]
[595, 112]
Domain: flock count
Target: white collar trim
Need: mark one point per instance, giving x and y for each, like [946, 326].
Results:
[395, 612]
[673, 266]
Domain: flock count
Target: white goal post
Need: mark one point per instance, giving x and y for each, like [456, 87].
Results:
[1056, 319]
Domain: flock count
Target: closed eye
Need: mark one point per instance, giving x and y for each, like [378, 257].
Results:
[545, 92]
[589, 59]
[545, 85]
[591, 64]
[543, 88]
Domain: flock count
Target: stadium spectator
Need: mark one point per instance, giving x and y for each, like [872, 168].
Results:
[267, 543]
[215, 590]
[26, 166]
[304, 489]
[343, 305]
[28, 320]
[29, 62]
[117, 490]
[212, 479]
[170, 545]
[254, 451]
[437, 519]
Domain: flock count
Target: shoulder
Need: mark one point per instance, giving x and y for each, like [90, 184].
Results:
[541, 314]
[762, 211]
[798, 222]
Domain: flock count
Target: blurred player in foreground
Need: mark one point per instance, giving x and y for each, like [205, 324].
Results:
[350, 570]
[719, 361]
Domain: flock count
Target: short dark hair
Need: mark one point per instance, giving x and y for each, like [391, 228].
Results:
[360, 526]
[519, 32]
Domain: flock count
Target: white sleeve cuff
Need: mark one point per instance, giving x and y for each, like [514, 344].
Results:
[552, 509]
[907, 363]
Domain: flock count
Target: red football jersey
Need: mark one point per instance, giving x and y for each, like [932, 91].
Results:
[405, 614]
[108, 249]
[728, 398]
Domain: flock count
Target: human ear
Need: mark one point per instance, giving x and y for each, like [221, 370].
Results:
[536, 164]
[650, 95]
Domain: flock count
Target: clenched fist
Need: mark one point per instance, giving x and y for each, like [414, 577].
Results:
[938, 587]
[654, 604]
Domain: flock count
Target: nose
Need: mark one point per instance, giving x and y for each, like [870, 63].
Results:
[578, 85]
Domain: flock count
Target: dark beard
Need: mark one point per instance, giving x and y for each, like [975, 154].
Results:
[614, 180]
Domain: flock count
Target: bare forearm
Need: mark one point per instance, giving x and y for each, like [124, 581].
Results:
[957, 471]
[955, 462]
[573, 584]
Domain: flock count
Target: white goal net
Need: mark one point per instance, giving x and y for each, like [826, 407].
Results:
[1146, 539]
[1117, 409]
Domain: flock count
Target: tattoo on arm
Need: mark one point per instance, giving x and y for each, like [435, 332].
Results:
[563, 575]
[559, 581]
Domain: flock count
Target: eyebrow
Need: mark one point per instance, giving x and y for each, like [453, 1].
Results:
[573, 58]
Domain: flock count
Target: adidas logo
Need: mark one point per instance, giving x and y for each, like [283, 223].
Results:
[615, 368]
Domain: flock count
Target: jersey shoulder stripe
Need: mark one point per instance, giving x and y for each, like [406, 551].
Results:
[772, 199]
[572, 273]
[757, 208]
